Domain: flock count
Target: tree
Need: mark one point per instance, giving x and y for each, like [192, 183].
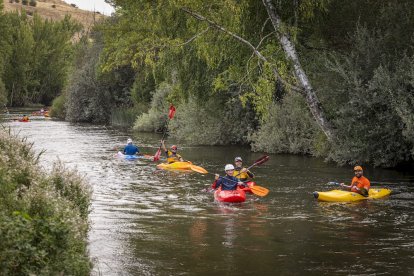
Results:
[233, 14]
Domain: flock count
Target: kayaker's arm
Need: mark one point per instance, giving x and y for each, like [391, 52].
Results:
[217, 182]
[345, 186]
[350, 187]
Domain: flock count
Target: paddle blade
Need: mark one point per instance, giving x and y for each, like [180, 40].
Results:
[157, 155]
[198, 169]
[171, 113]
[334, 183]
[259, 191]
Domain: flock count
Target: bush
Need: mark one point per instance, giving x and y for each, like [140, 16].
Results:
[71, 186]
[214, 122]
[288, 128]
[157, 115]
[58, 107]
[43, 219]
[125, 117]
[25, 2]
[374, 112]
[33, 3]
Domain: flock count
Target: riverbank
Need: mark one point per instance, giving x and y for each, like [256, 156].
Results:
[43, 216]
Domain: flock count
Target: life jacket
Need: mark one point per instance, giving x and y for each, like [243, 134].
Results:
[361, 182]
[172, 157]
[242, 176]
[131, 149]
[227, 183]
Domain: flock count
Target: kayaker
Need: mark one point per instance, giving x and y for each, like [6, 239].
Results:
[359, 184]
[241, 173]
[172, 155]
[130, 149]
[25, 118]
[227, 182]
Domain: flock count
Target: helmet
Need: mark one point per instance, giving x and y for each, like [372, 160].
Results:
[229, 167]
[129, 141]
[174, 147]
[357, 168]
[238, 159]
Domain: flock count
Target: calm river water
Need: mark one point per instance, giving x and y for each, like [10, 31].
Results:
[150, 222]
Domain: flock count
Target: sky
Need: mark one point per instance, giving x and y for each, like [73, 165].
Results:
[91, 5]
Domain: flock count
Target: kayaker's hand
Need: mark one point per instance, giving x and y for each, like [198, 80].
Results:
[240, 183]
[341, 184]
[243, 170]
[216, 176]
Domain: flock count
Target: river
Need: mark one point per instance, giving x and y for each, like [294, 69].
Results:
[150, 222]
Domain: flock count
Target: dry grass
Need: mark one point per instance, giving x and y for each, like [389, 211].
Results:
[56, 10]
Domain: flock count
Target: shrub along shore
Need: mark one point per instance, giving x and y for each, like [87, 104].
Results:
[43, 216]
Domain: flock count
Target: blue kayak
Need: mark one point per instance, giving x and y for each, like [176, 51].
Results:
[134, 157]
[128, 157]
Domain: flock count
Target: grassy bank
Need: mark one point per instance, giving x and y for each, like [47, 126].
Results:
[43, 217]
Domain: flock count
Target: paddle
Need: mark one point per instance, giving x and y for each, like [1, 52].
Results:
[198, 169]
[171, 114]
[258, 162]
[364, 192]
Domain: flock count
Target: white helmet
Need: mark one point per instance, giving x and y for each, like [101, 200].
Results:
[129, 141]
[229, 167]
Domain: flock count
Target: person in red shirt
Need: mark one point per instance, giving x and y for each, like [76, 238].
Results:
[359, 184]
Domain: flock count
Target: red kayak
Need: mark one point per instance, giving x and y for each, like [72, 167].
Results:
[232, 196]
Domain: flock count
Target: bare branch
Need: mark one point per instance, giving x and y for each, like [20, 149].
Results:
[244, 41]
[193, 38]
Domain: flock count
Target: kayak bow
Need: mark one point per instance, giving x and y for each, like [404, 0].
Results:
[230, 196]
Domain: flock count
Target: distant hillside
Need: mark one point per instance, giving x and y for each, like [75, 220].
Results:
[56, 10]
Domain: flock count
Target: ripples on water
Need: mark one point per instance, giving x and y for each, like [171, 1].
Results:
[150, 222]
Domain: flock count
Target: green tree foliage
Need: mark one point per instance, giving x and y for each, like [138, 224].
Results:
[368, 92]
[87, 101]
[204, 55]
[91, 94]
[36, 57]
[53, 54]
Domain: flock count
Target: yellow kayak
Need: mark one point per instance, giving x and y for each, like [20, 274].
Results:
[184, 166]
[346, 196]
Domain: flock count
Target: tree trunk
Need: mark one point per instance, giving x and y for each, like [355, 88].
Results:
[310, 96]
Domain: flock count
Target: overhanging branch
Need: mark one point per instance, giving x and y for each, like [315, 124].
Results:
[244, 41]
